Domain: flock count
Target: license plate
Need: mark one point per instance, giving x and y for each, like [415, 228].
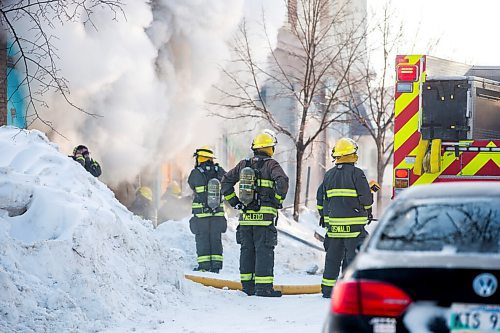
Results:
[474, 318]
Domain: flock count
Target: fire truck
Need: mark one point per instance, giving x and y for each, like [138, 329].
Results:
[446, 122]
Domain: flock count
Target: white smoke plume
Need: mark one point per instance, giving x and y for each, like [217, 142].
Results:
[146, 76]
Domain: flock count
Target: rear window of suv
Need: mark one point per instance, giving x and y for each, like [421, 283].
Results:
[457, 226]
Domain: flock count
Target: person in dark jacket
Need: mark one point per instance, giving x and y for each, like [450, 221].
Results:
[143, 204]
[208, 221]
[344, 201]
[81, 154]
[256, 232]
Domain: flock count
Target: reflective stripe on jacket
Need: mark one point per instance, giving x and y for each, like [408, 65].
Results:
[272, 187]
[342, 199]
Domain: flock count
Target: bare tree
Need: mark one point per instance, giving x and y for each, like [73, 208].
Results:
[310, 73]
[26, 24]
[372, 89]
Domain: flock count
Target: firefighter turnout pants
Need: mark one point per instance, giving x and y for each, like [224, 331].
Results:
[338, 251]
[257, 255]
[207, 231]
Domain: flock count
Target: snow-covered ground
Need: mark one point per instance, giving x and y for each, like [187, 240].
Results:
[73, 259]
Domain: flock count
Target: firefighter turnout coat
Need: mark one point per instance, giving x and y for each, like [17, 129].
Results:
[343, 200]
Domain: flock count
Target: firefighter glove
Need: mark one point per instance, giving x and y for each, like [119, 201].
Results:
[240, 206]
[322, 221]
[370, 215]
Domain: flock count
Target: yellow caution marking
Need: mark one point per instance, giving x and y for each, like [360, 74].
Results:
[405, 99]
[491, 144]
[478, 162]
[406, 131]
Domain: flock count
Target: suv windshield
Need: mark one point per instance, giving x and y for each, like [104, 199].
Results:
[465, 226]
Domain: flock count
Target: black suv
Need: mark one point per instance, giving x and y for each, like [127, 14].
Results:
[432, 264]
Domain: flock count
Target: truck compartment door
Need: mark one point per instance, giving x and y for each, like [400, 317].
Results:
[444, 110]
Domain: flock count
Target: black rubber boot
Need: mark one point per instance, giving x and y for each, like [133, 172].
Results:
[200, 269]
[267, 292]
[216, 266]
[203, 267]
[326, 291]
[248, 287]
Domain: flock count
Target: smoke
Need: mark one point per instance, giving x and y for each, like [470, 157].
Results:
[191, 38]
[145, 77]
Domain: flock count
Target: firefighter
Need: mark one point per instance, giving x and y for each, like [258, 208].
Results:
[174, 206]
[143, 203]
[256, 232]
[208, 221]
[81, 154]
[344, 202]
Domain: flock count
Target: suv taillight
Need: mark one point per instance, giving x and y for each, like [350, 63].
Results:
[369, 298]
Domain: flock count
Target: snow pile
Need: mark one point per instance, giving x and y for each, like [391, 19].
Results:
[72, 258]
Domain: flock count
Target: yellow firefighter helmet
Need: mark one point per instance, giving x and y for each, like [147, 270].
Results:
[343, 147]
[174, 188]
[264, 140]
[204, 151]
[145, 192]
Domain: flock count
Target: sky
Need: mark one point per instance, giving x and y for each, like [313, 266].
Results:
[466, 29]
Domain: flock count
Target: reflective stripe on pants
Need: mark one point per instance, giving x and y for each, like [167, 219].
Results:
[257, 253]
